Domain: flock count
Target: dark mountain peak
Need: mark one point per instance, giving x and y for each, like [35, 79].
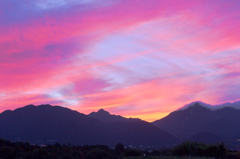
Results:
[228, 112]
[32, 111]
[198, 106]
[103, 112]
[100, 113]
[29, 106]
[106, 117]
[42, 107]
[45, 105]
[185, 122]
[6, 112]
[227, 109]
[32, 107]
[235, 105]
[198, 117]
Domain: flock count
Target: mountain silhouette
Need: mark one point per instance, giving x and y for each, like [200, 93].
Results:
[206, 137]
[46, 123]
[106, 117]
[185, 123]
[235, 104]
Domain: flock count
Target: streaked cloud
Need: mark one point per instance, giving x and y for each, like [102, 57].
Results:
[135, 58]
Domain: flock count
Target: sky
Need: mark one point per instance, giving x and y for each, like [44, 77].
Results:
[135, 58]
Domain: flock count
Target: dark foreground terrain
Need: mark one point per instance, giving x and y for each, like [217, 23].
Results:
[21, 150]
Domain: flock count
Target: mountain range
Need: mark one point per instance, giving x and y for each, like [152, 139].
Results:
[46, 123]
[106, 117]
[235, 104]
[199, 123]
[194, 122]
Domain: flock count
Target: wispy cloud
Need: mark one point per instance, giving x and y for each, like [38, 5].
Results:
[135, 58]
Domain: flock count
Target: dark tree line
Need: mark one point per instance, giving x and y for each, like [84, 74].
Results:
[200, 149]
[21, 150]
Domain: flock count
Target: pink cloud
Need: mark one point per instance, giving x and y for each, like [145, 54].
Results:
[11, 103]
[183, 51]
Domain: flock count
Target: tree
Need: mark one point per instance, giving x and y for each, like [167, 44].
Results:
[119, 147]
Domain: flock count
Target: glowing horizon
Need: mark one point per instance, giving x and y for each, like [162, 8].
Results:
[133, 58]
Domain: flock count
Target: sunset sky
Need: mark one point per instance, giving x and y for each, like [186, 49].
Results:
[136, 58]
